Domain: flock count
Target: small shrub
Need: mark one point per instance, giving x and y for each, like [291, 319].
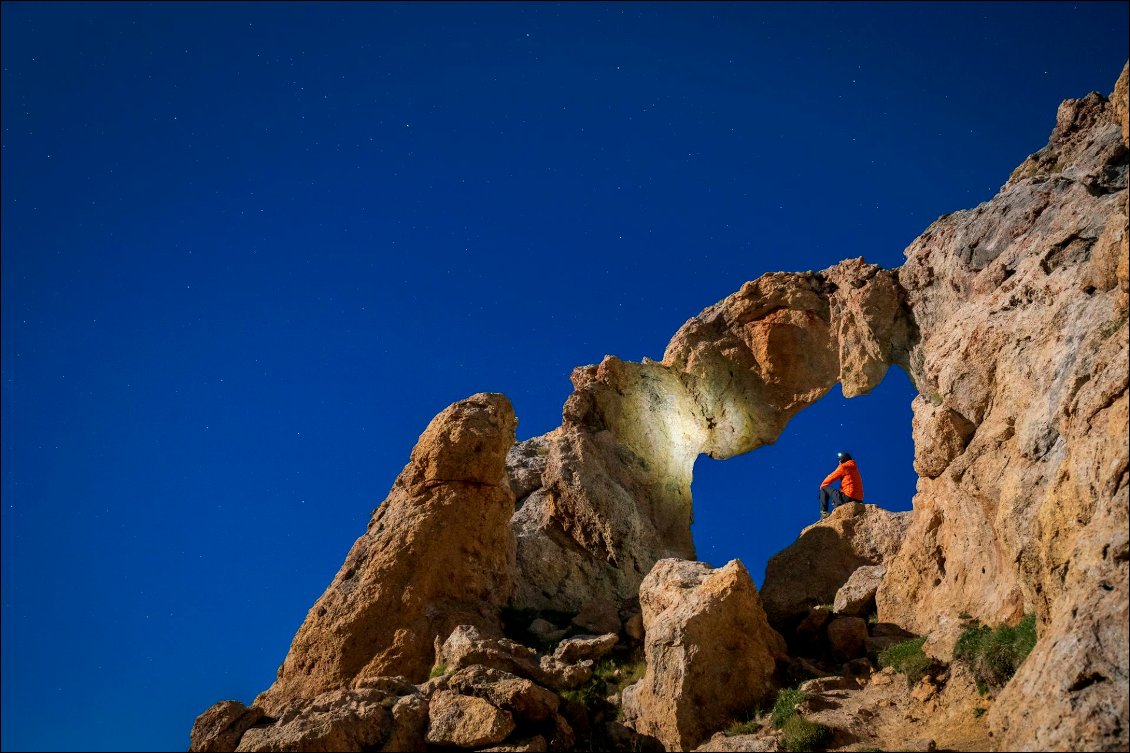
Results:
[747, 727]
[785, 706]
[799, 734]
[979, 712]
[907, 657]
[439, 670]
[994, 654]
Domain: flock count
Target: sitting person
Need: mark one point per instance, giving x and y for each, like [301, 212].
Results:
[851, 485]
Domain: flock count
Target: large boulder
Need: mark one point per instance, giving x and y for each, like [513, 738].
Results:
[523, 699]
[857, 595]
[709, 650]
[811, 570]
[438, 553]
[466, 721]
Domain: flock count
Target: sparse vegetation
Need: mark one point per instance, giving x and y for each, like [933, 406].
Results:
[751, 725]
[994, 654]
[439, 670]
[609, 677]
[979, 712]
[799, 734]
[908, 658]
[785, 706]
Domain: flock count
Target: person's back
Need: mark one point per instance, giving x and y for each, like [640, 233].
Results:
[851, 485]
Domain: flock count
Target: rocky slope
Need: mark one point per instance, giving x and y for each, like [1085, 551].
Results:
[1011, 320]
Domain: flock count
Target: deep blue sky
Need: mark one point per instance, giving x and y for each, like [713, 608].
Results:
[250, 250]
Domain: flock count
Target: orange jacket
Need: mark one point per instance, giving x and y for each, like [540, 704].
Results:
[851, 484]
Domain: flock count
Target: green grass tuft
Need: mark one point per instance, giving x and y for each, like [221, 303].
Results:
[799, 734]
[909, 658]
[747, 727]
[439, 670]
[994, 654]
[785, 706]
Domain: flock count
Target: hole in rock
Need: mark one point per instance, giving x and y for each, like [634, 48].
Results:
[754, 505]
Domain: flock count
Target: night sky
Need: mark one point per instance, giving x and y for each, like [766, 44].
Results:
[249, 250]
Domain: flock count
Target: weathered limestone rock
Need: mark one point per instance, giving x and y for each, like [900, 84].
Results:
[577, 649]
[810, 571]
[857, 595]
[409, 724]
[465, 721]
[438, 553]
[340, 720]
[710, 652]
[515, 695]
[614, 494]
[221, 726]
[1021, 306]
[466, 647]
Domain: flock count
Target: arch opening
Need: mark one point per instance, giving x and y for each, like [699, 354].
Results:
[751, 506]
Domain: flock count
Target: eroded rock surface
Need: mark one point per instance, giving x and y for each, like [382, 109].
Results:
[607, 494]
[710, 652]
[1021, 431]
[812, 569]
[438, 553]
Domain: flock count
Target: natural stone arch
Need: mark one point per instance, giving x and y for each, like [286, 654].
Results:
[606, 495]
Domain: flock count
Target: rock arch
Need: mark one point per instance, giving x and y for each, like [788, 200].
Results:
[606, 495]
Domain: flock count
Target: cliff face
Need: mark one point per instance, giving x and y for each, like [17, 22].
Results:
[1021, 430]
[1011, 320]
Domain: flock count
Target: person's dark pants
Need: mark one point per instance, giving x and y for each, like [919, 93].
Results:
[835, 496]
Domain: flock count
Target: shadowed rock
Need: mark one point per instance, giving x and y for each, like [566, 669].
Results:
[812, 570]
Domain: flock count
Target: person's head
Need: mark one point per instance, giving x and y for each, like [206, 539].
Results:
[843, 456]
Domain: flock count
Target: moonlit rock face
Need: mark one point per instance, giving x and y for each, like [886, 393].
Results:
[1011, 320]
[709, 649]
[614, 491]
[1021, 432]
[438, 553]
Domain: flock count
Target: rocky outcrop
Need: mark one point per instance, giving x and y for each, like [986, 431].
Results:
[360, 719]
[1011, 320]
[812, 570]
[438, 553]
[710, 652]
[1021, 431]
[466, 647]
[466, 721]
[607, 494]
[857, 595]
[221, 727]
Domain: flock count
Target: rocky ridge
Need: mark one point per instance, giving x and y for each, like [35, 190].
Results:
[1011, 320]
